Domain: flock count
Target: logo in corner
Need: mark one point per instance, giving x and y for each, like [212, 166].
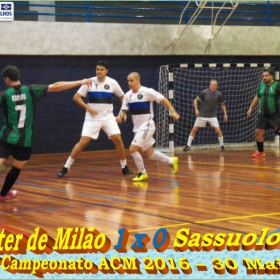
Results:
[7, 11]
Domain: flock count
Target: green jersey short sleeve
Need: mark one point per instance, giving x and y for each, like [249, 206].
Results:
[269, 98]
[19, 103]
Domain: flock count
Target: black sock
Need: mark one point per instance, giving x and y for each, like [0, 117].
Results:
[10, 180]
[260, 146]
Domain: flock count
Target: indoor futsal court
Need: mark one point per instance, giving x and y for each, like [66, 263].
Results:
[213, 192]
[218, 217]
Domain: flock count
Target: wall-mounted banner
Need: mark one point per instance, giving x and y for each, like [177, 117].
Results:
[6, 11]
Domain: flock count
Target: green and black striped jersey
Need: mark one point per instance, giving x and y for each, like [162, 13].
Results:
[19, 103]
[269, 98]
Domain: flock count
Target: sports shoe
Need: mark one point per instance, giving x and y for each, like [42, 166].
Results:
[140, 177]
[126, 170]
[187, 148]
[142, 185]
[62, 172]
[10, 195]
[258, 154]
[2, 167]
[175, 165]
[222, 148]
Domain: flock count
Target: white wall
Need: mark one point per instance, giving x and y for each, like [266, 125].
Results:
[60, 38]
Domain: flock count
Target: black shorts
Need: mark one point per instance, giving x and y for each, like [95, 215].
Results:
[268, 121]
[18, 152]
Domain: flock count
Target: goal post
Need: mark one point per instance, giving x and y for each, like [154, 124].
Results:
[181, 83]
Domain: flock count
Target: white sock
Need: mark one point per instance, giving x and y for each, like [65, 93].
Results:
[161, 157]
[221, 140]
[139, 162]
[69, 162]
[190, 139]
[123, 163]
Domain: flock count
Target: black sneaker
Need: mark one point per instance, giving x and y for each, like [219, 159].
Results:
[126, 170]
[187, 148]
[62, 172]
[222, 148]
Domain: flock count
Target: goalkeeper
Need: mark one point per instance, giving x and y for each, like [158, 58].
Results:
[207, 113]
[268, 96]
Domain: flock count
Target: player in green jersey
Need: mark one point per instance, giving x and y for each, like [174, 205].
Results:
[268, 96]
[19, 102]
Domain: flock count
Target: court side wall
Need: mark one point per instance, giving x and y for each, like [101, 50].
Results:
[49, 52]
[57, 38]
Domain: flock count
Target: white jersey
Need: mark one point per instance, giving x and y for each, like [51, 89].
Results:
[100, 95]
[140, 104]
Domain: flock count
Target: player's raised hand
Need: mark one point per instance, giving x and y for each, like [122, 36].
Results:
[87, 82]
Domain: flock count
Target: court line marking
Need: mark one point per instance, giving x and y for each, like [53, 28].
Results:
[236, 180]
[252, 164]
[202, 222]
[106, 197]
[110, 199]
[169, 226]
[215, 220]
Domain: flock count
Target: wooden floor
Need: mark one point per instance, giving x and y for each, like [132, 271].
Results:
[213, 192]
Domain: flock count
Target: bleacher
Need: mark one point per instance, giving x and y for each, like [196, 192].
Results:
[264, 13]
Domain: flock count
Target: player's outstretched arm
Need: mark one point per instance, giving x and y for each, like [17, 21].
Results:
[60, 86]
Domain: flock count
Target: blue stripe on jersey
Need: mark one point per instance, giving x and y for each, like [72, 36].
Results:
[100, 97]
[139, 108]
[100, 94]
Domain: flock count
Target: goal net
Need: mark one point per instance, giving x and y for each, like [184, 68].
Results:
[182, 83]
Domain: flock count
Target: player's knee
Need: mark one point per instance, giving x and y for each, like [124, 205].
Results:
[218, 130]
[117, 139]
[133, 149]
[195, 129]
[260, 132]
[83, 142]
[19, 164]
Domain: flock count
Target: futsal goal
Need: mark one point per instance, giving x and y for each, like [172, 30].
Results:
[181, 84]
